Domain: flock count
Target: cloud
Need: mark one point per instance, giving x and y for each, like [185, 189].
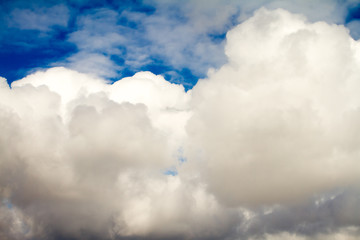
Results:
[137, 36]
[97, 39]
[97, 30]
[324, 214]
[276, 123]
[80, 158]
[344, 234]
[321, 10]
[190, 30]
[40, 19]
[152, 35]
[97, 64]
[265, 147]
[13, 224]
[184, 30]
[132, 40]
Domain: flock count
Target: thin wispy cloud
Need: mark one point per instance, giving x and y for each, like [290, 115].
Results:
[40, 19]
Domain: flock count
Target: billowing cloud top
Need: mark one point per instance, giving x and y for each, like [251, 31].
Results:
[264, 147]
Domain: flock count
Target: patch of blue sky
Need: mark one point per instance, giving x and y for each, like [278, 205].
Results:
[7, 203]
[180, 156]
[27, 49]
[134, 35]
[29, 39]
[17, 62]
[182, 159]
[133, 5]
[178, 76]
[353, 20]
[217, 37]
[171, 171]
[31, 48]
[353, 13]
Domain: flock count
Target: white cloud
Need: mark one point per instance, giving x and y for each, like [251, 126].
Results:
[97, 64]
[3, 83]
[277, 122]
[80, 154]
[97, 39]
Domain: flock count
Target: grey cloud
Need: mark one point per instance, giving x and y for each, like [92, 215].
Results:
[327, 214]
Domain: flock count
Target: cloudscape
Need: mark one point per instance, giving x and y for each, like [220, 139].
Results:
[194, 119]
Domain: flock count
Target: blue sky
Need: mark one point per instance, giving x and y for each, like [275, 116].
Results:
[192, 119]
[123, 37]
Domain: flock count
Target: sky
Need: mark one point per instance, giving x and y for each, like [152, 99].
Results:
[179, 120]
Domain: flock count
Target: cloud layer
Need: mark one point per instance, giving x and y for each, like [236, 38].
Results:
[266, 147]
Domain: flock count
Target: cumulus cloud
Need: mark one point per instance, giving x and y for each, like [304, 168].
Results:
[81, 157]
[265, 147]
[277, 122]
